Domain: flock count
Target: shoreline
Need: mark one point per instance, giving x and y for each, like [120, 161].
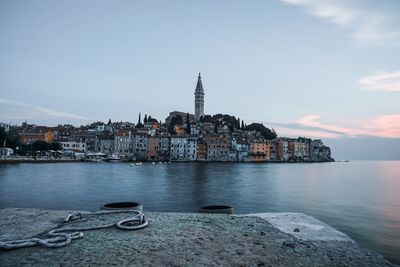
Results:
[16, 161]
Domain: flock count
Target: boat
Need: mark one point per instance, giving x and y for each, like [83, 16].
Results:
[114, 158]
[95, 157]
[138, 163]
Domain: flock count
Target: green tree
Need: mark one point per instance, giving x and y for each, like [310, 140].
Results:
[267, 133]
[188, 129]
[2, 136]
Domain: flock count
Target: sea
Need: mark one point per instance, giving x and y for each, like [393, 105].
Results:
[359, 198]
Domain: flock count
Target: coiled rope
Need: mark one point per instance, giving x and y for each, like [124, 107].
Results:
[62, 236]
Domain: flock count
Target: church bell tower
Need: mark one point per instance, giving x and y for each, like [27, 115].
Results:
[199, 99]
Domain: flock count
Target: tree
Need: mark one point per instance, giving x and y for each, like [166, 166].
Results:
[139, 124]
[2, 136]
[145, 118]
[238, 123]
[176, 120]
[267, 133]
[215, 128]
[242, 127]
[188, 129]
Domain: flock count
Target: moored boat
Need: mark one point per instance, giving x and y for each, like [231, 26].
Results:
[114, 158]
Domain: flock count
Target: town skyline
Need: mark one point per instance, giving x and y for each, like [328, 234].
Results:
[105, 61]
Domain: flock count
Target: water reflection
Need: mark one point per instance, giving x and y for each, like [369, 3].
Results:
[359, 198]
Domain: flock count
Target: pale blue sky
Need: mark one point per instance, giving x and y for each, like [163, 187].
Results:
[305, 67]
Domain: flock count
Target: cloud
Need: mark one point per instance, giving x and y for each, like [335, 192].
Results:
[40, 111]
[367, 26]
[381, 81]
[311, 121]
[381, 126]
[384, 126]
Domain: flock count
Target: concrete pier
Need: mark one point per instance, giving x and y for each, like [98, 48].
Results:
[186, 239]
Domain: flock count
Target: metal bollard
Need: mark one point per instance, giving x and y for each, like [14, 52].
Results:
[222, 209]
[123, 206]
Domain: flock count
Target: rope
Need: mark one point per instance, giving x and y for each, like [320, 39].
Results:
[62, 237]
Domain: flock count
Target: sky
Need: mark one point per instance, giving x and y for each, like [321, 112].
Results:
[324, 69]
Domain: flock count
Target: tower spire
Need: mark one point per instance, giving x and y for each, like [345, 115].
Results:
[199, 86]
[199, 99]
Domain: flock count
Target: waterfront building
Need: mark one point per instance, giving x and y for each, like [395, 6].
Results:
[106, 146]
[32, 133]
[242, 151]
[164, 150]
[282, 149]
[153, 148]
[140, 145]
[272, 150]
[191, 149]
[259, 150]
[315, 147]
[199, 99]
[123, 144]
[201, 151]
[299, 149]
[74, 145]
[91, 145]
[6, 152]
[218, 148]
[178, 148]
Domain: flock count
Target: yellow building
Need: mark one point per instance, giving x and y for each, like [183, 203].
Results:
[259, 151]
[37, 135]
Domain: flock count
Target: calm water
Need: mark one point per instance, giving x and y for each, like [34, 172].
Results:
[361, 198]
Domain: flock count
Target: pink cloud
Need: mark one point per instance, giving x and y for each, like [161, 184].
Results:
[382, 81]
[382, 126]
[311, 120]
[387, 126]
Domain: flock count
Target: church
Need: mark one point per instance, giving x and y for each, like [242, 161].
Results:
[198, 105]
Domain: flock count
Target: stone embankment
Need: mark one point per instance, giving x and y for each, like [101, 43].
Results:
[186, 239]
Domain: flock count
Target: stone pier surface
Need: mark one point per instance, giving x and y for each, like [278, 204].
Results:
[186, 239]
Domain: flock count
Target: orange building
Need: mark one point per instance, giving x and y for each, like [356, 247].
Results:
[201, 151]
[37, 134]
[259, 151]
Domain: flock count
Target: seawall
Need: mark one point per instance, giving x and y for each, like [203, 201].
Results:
[186, 239]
